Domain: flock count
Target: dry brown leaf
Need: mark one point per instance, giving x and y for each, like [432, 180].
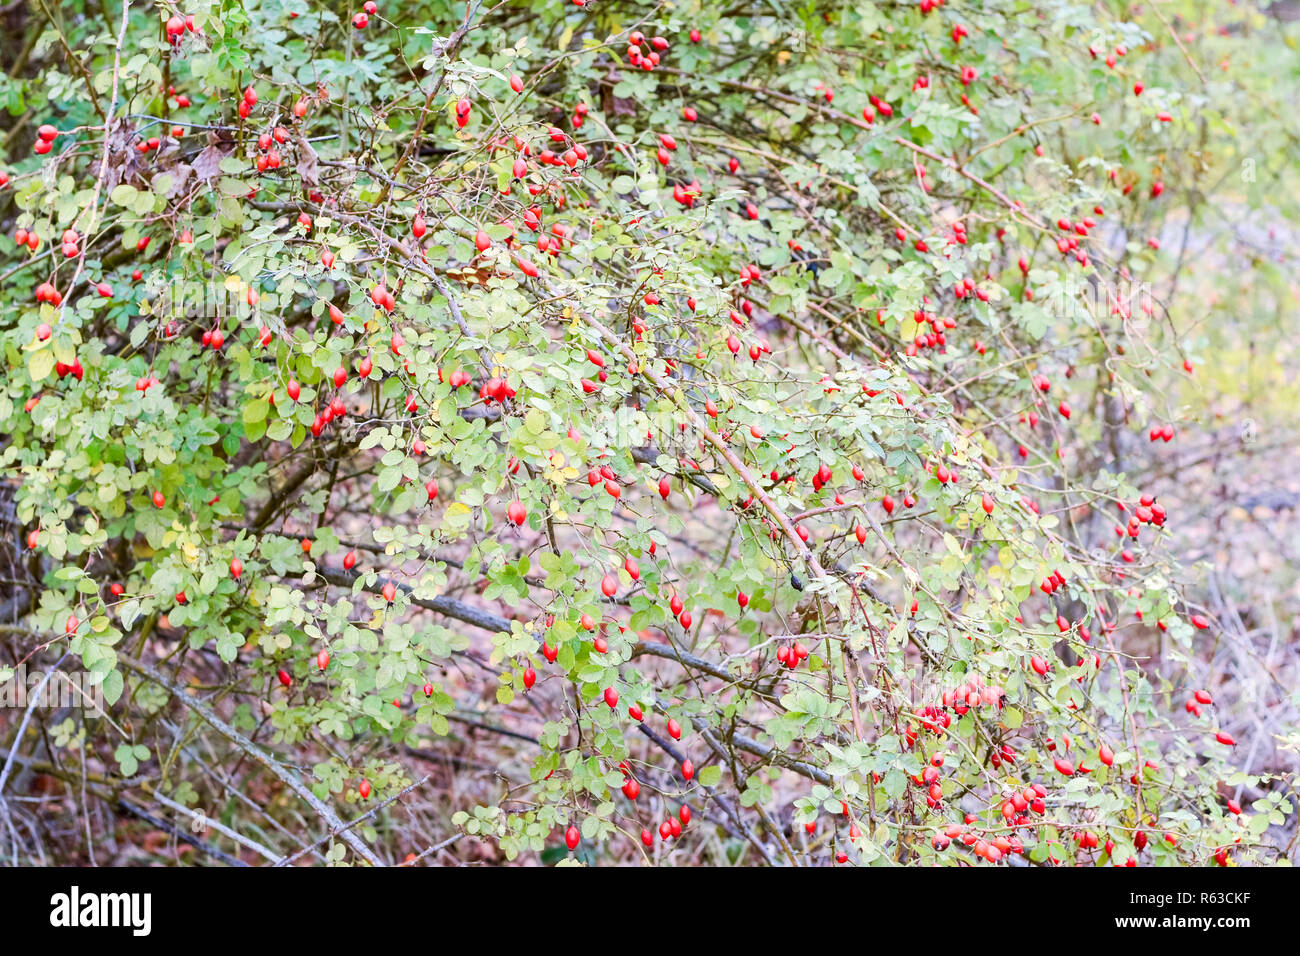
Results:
[308, 168]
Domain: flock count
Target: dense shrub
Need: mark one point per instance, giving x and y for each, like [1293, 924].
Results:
[745, 408]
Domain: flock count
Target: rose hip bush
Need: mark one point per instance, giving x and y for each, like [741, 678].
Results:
[737, 416]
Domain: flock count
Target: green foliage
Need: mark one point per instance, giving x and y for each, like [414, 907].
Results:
[842, 317]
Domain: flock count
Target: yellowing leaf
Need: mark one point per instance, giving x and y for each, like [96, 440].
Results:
[40, 364]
